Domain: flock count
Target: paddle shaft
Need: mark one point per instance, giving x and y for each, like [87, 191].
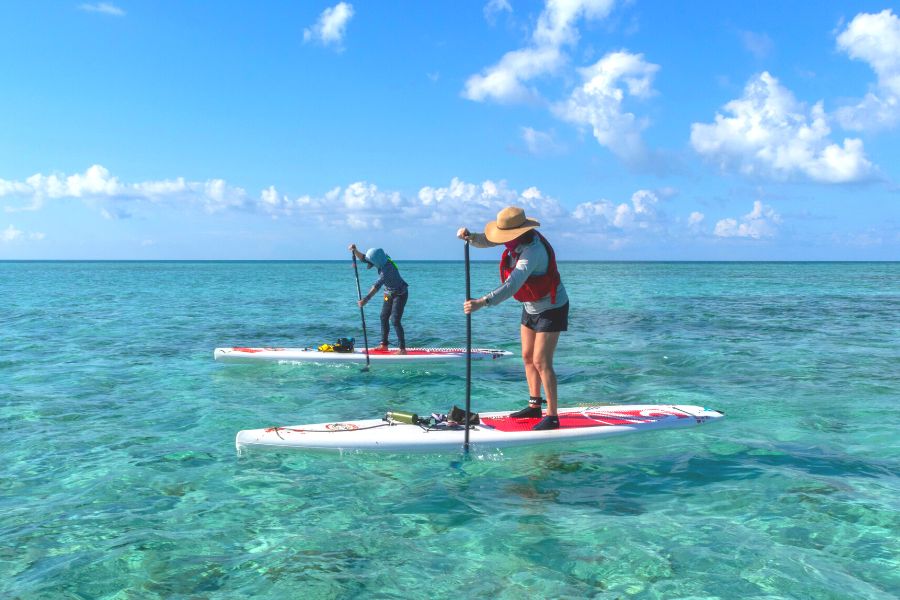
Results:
[468, 354]
[362, 313]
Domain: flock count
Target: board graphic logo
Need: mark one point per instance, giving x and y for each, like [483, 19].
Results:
[628, 417]
[341, 427]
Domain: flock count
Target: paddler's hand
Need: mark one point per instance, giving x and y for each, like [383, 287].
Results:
[362, 302]
[352, 247]
[470, 306]
[463, 233]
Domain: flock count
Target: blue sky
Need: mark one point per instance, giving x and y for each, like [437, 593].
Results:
[632, 130]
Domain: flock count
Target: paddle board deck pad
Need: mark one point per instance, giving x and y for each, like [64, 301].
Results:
[391, 355]
[496, 430]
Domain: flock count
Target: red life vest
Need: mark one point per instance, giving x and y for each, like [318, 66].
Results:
[536, 286]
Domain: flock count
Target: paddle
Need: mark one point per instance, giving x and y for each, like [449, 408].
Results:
[362, 314]
[468, 354]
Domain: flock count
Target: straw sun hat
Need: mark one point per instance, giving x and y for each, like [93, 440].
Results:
[511, 223]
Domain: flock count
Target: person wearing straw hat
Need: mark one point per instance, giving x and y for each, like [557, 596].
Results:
[528, 273]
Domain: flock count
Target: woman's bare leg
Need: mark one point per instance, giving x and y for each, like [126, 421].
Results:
[531, 372]
[542, 363]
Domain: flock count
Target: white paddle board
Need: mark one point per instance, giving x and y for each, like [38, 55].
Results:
[391, 355]
[496, 430]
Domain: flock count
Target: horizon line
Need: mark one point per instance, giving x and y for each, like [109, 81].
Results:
[422, 260]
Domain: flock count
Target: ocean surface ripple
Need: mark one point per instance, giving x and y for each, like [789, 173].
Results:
[120, 477]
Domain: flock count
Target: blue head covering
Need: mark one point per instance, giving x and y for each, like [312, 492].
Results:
[376, 257]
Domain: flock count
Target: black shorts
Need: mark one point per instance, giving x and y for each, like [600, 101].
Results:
[554, 319]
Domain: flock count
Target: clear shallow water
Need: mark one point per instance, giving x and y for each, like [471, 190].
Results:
[119, 477]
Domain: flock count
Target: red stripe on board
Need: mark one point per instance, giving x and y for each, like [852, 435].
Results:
[408, 352]
[423, 351]
[581, 420]
[254, 350]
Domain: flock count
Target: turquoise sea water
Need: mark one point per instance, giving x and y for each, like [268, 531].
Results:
[119, 477]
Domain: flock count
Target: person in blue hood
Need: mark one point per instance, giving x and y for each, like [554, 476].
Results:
[396, 293]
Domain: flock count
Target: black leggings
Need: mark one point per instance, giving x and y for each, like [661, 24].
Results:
[392, 311]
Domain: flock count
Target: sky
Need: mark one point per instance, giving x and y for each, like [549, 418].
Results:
[632, 130]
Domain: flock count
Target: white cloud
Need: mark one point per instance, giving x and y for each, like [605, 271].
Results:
[759, 45]
[506, 81]
[359, 204]
[218, 195]
[640, 214]
[97, 185]
[473, 203]
[331, 26]
[759, 223]
[556, 24]
[12, 234]
[540, 143]
[432, 210]
[362, 205]
[281, 205]
[618, 225]
[10, 188]
[106, 8]
[770, 134]
[494, 8]
[598, 102]
[94, 181]
[874, 39]
[357, 222]
[270, 197]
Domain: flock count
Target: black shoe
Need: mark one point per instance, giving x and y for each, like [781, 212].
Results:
[548, 422]
[532, 412]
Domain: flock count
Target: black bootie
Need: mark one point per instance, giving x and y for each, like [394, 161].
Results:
[548, 422]
[533, 411]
